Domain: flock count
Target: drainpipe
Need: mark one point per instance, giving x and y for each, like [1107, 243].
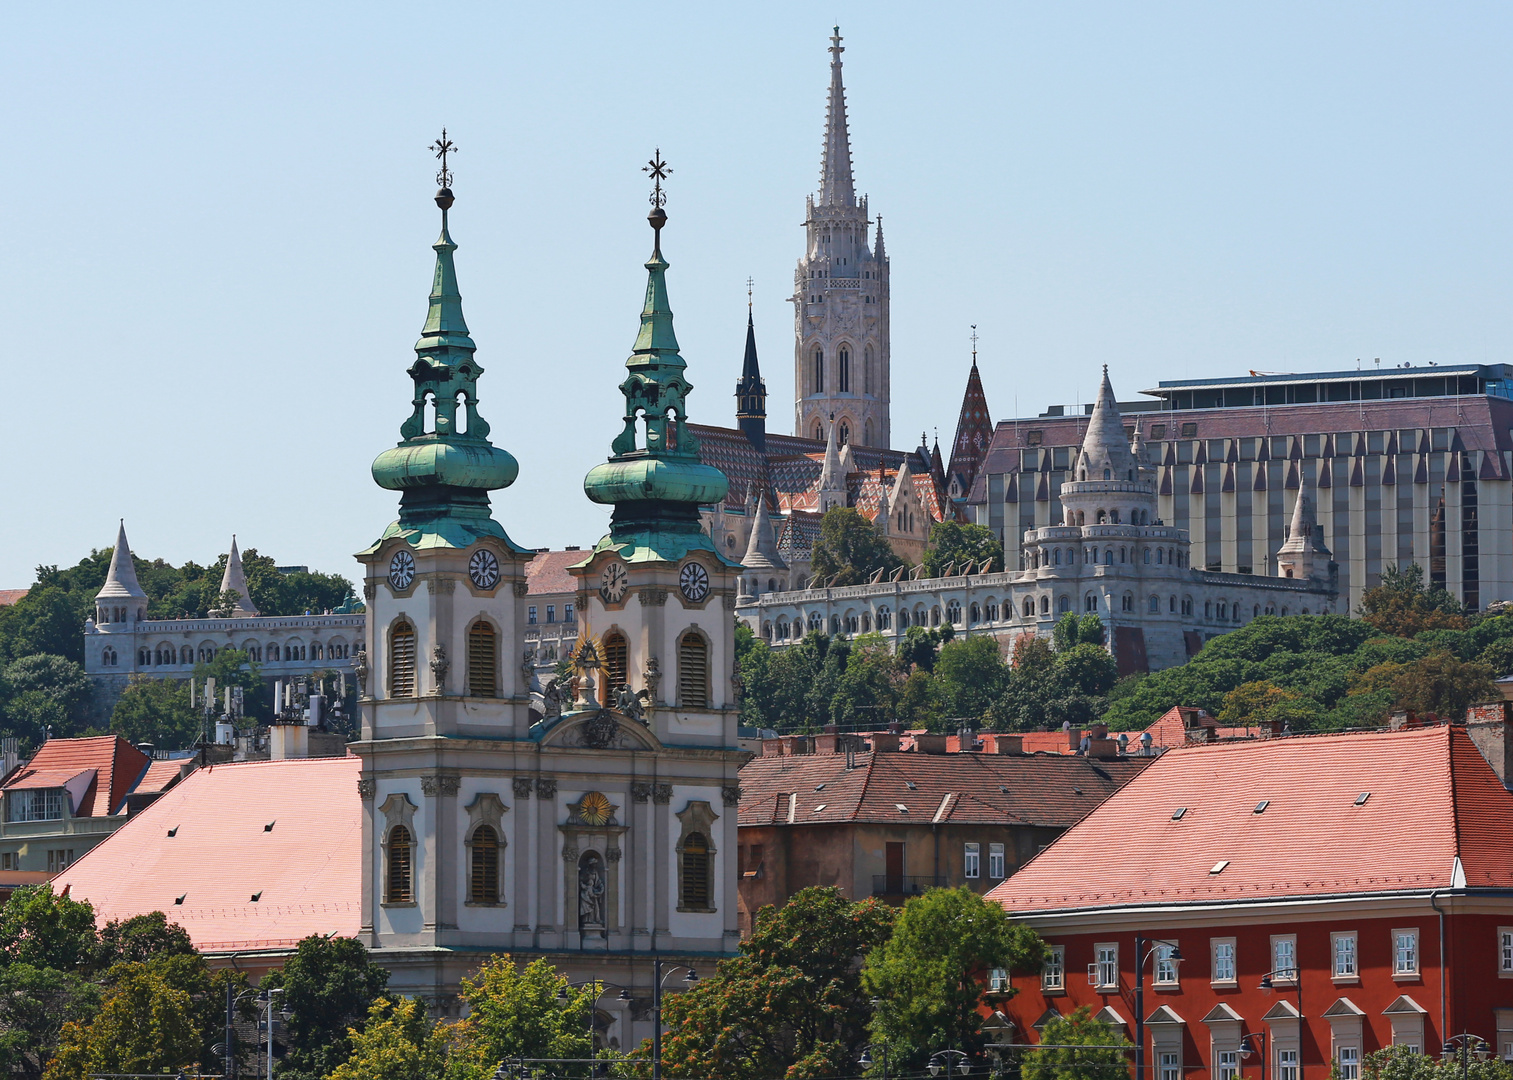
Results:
[1443, 1019]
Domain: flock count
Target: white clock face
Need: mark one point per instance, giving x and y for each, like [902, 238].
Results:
[612, 582]
[483, 568]
[693, 580]
[401, 570]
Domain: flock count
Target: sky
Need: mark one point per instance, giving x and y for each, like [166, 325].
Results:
[215, 248]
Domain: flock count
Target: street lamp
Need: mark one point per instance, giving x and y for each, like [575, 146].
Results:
[963, 1066]
[1465, 1046]
[1297, 982]
[1142, 957]
[1254, 1044]
[865, 1060]
[689, 979]
[601, 988]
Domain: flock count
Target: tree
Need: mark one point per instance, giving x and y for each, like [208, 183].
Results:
[35, 1005]
[929, 974]
[970, 673]
[954, 543]
[513, 1011]
[851, 547]
[140, 939]
[155, 711]
[869, 688]
[791, 1004]
[398, 1042]
[1401, 605]
[919, 648]
[1081, 1050]
[45, 691]
[44, 930]
[145, 1025]
[1437, 683]
[329, 985]
[1407, 1063]
[1073, 629]
[1257, 702]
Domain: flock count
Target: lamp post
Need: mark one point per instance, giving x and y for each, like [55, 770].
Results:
[1254, 1044]
[266, 996]
[690, 978]
[1142, 956]
[1464, 1046]
[865, 1058]
[601, 988]
[941, 1059]
[1297, 981]
[231, 1004]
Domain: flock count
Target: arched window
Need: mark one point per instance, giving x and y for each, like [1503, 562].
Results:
[935, 615]
[819, 433]
[483, 884]
[693, 672]
[819, 370]
[903, 618]
[1172, 605]
[1056, 557]
[1147, 556]
[1029, 608]
[616, 665]
[1108, 557]
[845, 371]
[1158, 556]
[695, 885]
[1090, 602]
[1114, 516]
[974, 614]
[402, 660]
[398, 884]
[317, 651]
[884, 618]
[1126, 602]
[835, 624]
[772, 584]
[1063, 605]
[845, 433]
[867, 383]
[144, 657]
[1102, 517]
[1154, 605]
[1045, 605]
[483, 660]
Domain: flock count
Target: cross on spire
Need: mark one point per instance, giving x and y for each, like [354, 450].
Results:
[974, 344]
[442, 147]
[749, 283]
[658, 170]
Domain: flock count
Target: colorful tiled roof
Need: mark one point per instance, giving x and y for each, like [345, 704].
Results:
[916, 788]
[248, 856]
[547, 572]
[974, 432]
[1281, 818]
[118, 766]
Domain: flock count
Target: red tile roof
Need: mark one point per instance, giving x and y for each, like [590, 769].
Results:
[1183, 724]
[162, 775]
[547, 572]
[10, 596]
[118, 766]
[1433, 799]
[971, 788]
[306, 870]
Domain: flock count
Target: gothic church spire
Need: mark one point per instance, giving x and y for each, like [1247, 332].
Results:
[836, 186]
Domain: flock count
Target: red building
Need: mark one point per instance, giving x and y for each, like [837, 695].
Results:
[1366, 880]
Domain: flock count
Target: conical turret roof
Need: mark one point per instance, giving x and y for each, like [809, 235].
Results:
[974, 431]
[235, 580]
[1105, 447]
[121, 581]
[832, 473]
[1301, 536]
[762, 546]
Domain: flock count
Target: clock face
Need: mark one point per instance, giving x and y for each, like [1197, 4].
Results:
[693, 580]
[401, 570]
[613, 581]
[483, 568]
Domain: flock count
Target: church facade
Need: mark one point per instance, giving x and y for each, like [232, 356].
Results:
[591, 820]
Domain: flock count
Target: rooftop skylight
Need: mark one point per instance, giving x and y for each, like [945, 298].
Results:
[1179, 813]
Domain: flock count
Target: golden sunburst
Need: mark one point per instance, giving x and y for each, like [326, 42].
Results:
[595, 808]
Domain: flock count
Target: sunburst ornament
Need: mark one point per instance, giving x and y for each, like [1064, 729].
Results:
[595, 808]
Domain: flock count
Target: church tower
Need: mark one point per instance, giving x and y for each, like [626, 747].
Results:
[751, 390]
[840, 298]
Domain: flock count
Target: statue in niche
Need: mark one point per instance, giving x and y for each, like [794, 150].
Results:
[361, 668]
[551, 698]
[591, 889]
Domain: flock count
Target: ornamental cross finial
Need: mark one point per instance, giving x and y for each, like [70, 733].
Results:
[442, 147]
[835, 46]
[974, 344]
[749, 283]
[658, 170]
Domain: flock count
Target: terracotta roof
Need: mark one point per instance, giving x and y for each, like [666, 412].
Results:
[118, 766]
[547, 572]
[33, 779]
[10, 596]
[1183, 724]
[162, 775]
[982, 788]
[1432, 800]
[306, 870]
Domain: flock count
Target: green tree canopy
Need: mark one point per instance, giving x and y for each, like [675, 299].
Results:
[849, 546]
[41, 692]
[398, 1041]
[970, 673]
[329, 986]
[156, 711]
[513, 1011]
[1403, 606]
[1081, 1047]
[145, 1025]
[954, 543]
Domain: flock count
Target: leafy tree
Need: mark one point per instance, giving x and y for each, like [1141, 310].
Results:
[929, 974]
[1089, 1061]
[1499, 657]
[952, 542]
[329, 985]
[44, 930]
[970, 673]
[791, 1004]
[1255, 702]
[919, 701]
[851, 547]
[514, 1011]
[1073, 629]
[35, 1005]
[43, 691]
[919, 648]
[398, 1042]
[155, 711]
[1087, 669]
[48, 619]
[1401, 605]
[869, 689]
[145, 1025]
[1406, 1063]
[1437, 683]
[139, 940]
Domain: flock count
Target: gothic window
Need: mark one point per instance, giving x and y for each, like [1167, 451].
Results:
[1172, 605]
[1063, 605]
[399, 881]
[819, 371]
[767, 631]
[483, 660]
[835, 624]
[1147, 556]
[884, 618]
[1029, 608]
[1045, 605]
[903, 618]
[1126, 602]
[845, 370]
[616, 665]
[1159, 552]
[402, 660]
[1090, 602]
[819, 433]
[974, 614]
[693, 671]
[845, 436]
[1056, 556]
[144, 657]
[867, 383]
[186, 655]
[317, 651]
[772, 584]
[483, 882]
[1187, 606]
[1101, 518]
[935, 616]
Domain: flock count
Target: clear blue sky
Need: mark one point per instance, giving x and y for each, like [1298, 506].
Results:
[214, 254]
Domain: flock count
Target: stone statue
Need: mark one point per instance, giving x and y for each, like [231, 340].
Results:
[551, 699]
[361, 669]
[439, 666]
[630, 704]
[653, 676]
[591, 891]
[528, 671]
[737, 686]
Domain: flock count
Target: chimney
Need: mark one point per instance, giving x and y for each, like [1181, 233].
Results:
[1099, 731]
[930, 744]
[772, 747]
[1105, 749]
[827, 743]
[287, 741]
[1073, 736]
[1008, 744]
[884, 742]
[1488, 727]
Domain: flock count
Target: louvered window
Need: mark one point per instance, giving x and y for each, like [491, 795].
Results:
[483, 660]
[695, 871]
[398, 889]
[402, 660]
[693, 672]
[616, 665]
[484, 886]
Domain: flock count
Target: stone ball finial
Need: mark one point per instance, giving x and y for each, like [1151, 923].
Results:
[657, 217]
[444, 198]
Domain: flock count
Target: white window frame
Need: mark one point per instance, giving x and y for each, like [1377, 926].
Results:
[34, 804]
[995, 862]
[1227, 1065]
[1053, 973]
[1291, 940]
[1169, 1065]
[1214, 945]
[971, 860]
[1352, 1070]
[1285, 1069]
[1398, 970]
[1163, 959]
[1106, 963]
[1337, 943]
[1505, 952]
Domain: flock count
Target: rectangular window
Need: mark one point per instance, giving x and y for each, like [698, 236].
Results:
[551, 613]
[1287, 1065]
[59, 859]
[998, 979]
[1106, 969]
[1405, 952]
[1505, 951]
[1284, 958]
[567, 613]
[1350, 1063]
[995, 861]
[969, 860]
[1171, 1067]
[530, 614]
[1224, 959]
[1053, 974]
[10, 860]
[42, 804]
[1228, 1065]
[1166, 965]
[1344, 956]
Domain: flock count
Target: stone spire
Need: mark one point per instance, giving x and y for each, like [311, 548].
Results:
[444, 474]
[1105, 448]
[121, 581]
[832, 488]
[1302, 554]
[974, 430]
[751, 392]
[656, 482]
[836, 186]
[762, 547]
[235, 580]
[937, 469]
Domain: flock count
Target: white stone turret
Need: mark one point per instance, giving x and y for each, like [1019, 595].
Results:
[120, 600]
[1303, 554]
[1110, 487]
[832, 489]
[235, 580]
